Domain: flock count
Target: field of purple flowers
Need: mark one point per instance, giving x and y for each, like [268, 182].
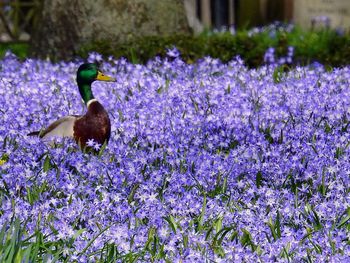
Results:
[207, 162]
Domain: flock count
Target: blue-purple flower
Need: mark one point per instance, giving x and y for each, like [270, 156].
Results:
[206, 162]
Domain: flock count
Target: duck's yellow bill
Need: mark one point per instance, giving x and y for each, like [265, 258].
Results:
[103, 77]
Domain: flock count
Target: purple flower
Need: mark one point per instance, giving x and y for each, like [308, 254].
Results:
[203, 158]
[90, 142]
[173, 52]
[97, 146]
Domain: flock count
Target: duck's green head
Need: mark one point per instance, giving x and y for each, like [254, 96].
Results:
[86, 74]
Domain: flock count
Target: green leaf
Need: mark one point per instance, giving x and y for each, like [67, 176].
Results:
[12, 249]
[120, 115]
[78, 233]
[185, 240]
[195, 104]
[327, 128]
[258, 179]
[280, 139]
[159, 90]
[275, 227]
[219, 251]
[201, 216]
[150, 239]
[24, 255]
[220, 235]
[47, 164]
[228, 90]
[268, 136]
[133, 192]
[171, 221]
[341, 223]
[224, 185]
[278, 74]
[246, 239]
[92, 240]
[218, 224]
[339, 152]
[101, 151]
[322, 187]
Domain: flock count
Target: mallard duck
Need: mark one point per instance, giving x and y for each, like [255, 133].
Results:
[95, 125]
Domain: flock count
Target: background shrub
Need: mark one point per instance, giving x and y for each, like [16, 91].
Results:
[329, 47]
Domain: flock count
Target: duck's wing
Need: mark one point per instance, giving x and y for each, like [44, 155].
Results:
[63, 127]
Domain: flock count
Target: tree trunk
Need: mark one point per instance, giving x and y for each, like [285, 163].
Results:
[68, 25]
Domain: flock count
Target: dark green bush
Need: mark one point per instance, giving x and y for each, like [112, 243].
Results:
[20, 49]
[328, 47]
[324, 46]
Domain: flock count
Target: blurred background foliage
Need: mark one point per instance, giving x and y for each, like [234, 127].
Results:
[327, 47]
[322, 45]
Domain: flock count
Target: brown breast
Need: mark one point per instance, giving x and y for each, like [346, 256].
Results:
[95, 124]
